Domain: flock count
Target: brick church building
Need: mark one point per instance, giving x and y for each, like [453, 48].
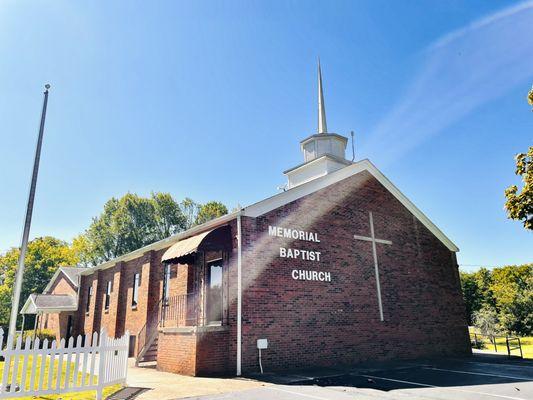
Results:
[338, 268]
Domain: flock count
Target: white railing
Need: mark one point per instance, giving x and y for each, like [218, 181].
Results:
[38, 368]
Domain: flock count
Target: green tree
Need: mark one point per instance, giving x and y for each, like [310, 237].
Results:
[519, 205]
[210, 210]
[127, 224]
[512, 288]
[44, 256]
[471, 294]
[486, 320]
[507, 291]
[169, 218]
[189, 209]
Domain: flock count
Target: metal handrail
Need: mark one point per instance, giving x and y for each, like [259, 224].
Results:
[148, 328]
[477, 339]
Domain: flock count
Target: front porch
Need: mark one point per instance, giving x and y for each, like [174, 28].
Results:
[187, 332]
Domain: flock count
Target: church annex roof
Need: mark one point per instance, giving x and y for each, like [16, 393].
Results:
[49, 303]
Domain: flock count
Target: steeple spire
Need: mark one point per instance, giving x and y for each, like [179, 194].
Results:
[322, 126]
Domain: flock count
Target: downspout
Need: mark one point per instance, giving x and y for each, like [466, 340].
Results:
[239, 293]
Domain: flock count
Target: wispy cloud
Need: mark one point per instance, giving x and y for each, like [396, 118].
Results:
[461, 71]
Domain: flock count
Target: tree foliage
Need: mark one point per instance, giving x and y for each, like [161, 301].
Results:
[43, 257]
[506, 291]
[131, 222]
[519, 205]
[486, 320]
[127, 224]
[190, 210]
[211, 210]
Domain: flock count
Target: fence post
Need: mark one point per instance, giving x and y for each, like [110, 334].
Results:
[127, 343]
[507, 344]
[101, 364]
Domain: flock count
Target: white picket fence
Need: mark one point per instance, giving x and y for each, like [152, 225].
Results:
[37, 368]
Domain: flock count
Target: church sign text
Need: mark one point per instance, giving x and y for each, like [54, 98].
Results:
[300, 254]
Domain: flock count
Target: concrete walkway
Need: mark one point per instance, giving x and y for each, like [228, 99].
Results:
[167, 386]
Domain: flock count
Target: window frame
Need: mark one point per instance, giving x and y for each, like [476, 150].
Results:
[107, 299]
[135, 292]
[89, 296]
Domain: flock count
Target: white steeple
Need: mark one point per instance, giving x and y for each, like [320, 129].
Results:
[323, 152]
[322, 125]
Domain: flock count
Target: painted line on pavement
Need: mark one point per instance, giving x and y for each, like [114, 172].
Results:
[498, 364]
[443, 387]
[478, 373]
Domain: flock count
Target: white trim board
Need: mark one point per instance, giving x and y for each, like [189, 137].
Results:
[300, 191]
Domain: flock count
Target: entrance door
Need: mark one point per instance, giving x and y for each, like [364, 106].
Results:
[69, 328]
[214, 303]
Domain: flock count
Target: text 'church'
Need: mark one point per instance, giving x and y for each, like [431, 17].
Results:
[337, 269]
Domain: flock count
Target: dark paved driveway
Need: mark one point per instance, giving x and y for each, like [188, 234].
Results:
[475, 378]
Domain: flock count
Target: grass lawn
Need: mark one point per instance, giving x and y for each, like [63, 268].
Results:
[87, 395]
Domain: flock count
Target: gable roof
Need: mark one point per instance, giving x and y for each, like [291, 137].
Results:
[297, 192]
[281, 199]
[49, 303]
[72, 274]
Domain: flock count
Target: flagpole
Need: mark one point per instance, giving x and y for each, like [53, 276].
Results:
[27, 221]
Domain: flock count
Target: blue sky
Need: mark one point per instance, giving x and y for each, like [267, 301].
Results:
[210, 99]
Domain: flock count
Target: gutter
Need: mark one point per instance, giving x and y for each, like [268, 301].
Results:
[164, 243]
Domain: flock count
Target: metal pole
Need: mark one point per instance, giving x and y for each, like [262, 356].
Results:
[27, 222]
[35, 326]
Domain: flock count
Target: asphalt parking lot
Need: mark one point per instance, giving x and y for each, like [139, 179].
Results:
[474, 378]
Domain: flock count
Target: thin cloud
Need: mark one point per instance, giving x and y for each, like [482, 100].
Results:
[462, 70]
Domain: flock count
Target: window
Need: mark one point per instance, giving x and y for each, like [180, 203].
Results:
[136, 284]
[166, 282]
[107, 296]
[89, 295]
[214, 292]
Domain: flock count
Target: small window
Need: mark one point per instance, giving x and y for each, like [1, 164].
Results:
[108, 296]
[166, 282]
[136, 284]
[89, 295]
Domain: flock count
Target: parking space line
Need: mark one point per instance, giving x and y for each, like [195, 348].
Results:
[478, 373]
[310, 396]
[443, 387]
[498, 364]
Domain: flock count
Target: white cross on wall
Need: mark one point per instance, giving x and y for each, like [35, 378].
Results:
[373, 239]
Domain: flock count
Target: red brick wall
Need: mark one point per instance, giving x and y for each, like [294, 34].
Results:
[121, 316]
[325, 323]
[200, 352]
[309, 322]
[87, 320]
[63, 285]
[212, 352]
[58, 322]
[176, 352]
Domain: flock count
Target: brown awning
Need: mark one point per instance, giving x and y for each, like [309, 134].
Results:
[184, 247]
